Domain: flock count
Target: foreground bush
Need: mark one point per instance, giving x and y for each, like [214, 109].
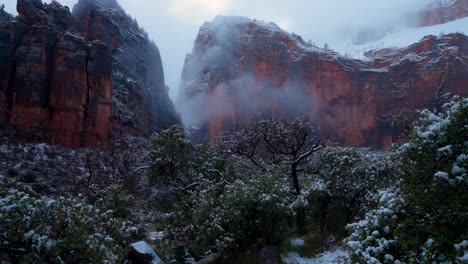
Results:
[259, 186]
[223, 199]
[431, 224]
[248, 213]
[36, 229]
[344, 187]
[217, 203]
[375, 238]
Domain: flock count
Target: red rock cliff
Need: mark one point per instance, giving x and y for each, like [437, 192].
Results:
[441, 11]
[240, 68]
[78, 79]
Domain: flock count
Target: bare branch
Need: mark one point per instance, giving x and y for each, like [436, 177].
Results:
[141, 168]
[217, 172]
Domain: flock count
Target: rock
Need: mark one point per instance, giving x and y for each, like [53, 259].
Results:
[97, 122]
[269, 255]
[140, 97]
[69, 101]
[4, 16]
[213, 258]
[439, 12]
[240, 68]
[76, 79]
[142, 253]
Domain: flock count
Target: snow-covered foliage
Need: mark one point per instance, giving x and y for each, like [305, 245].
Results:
[38, 229]
[250, 210]
[107, 177]
[441, 139]
[344, 187]
[232, 209]
[435, 182]
[259, 184]
[173, 160]
[372, 239]
[234, 195]
[425, 221]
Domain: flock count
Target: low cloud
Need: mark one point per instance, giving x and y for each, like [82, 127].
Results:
[196, 10]
[242, 99]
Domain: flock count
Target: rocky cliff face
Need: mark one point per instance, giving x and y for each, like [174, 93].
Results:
[4, 16]
[240, 68]
[78, 79]
[140, 97]
[441, 11]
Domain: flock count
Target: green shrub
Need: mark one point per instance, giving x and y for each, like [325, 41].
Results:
[232, 214]
[342, 189]
[37, 229]
[435, 182]
[431, 225]
[375, 238]
[219, 202]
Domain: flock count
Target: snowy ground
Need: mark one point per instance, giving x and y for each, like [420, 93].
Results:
[336, 256]
[401, 38]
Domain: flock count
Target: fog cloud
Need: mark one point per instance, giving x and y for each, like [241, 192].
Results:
[242, 99]
[173, 24]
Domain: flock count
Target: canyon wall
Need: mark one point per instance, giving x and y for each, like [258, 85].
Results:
[242, 68]
[440, 12]
[79, 79]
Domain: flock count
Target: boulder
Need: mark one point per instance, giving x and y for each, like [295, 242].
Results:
[142, 253]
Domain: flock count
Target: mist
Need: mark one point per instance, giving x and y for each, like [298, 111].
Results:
[173, 25]
[242, 99]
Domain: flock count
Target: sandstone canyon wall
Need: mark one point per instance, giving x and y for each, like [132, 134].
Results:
[441, 11]
[434, 12]
[78, 79]
[240, 68]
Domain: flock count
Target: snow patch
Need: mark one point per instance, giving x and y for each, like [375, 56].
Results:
[336, 256]
[297, 242]
[443, 175]
[402, 38]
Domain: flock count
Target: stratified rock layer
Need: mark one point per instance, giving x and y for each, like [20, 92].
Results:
[441, 11]
[240, 68]
[77, 80]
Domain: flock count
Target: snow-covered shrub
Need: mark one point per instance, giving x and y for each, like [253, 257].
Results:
[173, 159]
[285, 142]
[107, 177]
[37, 229]
[374, 239]
[435, 182]
[57, 170]
[251, 211]
[226, 214]
[436, 159]
[218, 201]
[425, 222]
[343, 188]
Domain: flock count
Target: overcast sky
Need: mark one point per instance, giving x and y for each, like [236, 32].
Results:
[173, 24]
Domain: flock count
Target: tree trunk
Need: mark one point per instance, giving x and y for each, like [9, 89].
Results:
[295, 179]
[300, 214]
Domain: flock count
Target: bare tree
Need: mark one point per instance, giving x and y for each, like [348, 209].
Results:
[284, 141]
[273, 142]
